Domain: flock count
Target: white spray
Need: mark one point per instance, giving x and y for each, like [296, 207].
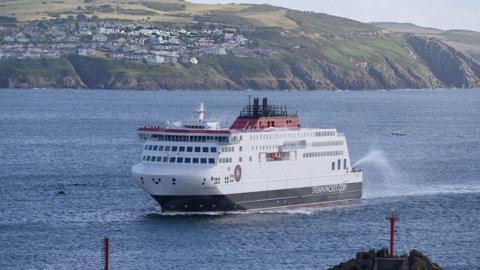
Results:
[381, 179]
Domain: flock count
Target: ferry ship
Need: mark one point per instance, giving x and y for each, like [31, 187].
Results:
[264, 160]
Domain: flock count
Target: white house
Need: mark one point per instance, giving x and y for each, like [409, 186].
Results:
[85, 51]
[9, 39]
[99, 38]
[154, 59]
[194, 60]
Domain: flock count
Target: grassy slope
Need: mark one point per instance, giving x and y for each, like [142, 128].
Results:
[463, 40]
[40, 67]
[114, 73]
[345, 42]
[26, 10]
[46, 73]
[407, 28]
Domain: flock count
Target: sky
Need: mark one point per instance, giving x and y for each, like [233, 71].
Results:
[442, 14]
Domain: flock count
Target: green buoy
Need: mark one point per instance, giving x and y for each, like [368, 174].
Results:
[61, 189]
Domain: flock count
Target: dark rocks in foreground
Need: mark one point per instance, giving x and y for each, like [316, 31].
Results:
[379, 260]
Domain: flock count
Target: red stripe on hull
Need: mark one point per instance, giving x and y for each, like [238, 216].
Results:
[187, 131]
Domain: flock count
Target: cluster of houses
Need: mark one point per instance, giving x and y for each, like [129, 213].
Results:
[122, 40]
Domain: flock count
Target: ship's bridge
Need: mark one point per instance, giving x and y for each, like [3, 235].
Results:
[198, 130]
[200, 123]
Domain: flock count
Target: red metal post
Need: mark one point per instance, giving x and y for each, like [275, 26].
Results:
[106, 253]
[392, 218]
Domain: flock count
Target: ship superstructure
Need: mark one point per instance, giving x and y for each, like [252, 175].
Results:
[264, 160]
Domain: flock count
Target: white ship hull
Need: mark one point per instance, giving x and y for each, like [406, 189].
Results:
[189, 194]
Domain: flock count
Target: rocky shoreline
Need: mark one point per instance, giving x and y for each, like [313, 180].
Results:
[379, 260]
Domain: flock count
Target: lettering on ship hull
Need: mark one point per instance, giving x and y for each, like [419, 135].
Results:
[329, 188]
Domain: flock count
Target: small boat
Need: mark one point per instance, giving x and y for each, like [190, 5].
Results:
[399, 132]
[61, 190]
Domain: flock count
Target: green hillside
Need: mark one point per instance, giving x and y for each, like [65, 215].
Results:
[308, 50]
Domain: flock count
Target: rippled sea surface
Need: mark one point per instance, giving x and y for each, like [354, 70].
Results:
[87, 140]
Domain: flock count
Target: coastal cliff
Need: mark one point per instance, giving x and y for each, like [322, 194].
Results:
[451, 67]
[437, 66]
[51, 73]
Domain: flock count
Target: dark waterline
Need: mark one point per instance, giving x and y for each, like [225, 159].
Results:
[87, 140]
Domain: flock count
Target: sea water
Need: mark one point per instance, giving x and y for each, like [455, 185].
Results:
[87, 140]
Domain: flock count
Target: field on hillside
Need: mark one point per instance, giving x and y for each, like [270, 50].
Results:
[463, 40]
[151, 10]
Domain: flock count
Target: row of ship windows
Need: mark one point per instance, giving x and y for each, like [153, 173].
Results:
[178, 160]
[265, 147]
[229, 149]
[168, 148]
[292, 135]
[313, 144]
[185, 138]
[194, 127]
[322, 154]
[326, 143]
[226, 160]
[225, 149]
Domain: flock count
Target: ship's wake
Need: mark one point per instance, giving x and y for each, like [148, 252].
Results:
[300, 210]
